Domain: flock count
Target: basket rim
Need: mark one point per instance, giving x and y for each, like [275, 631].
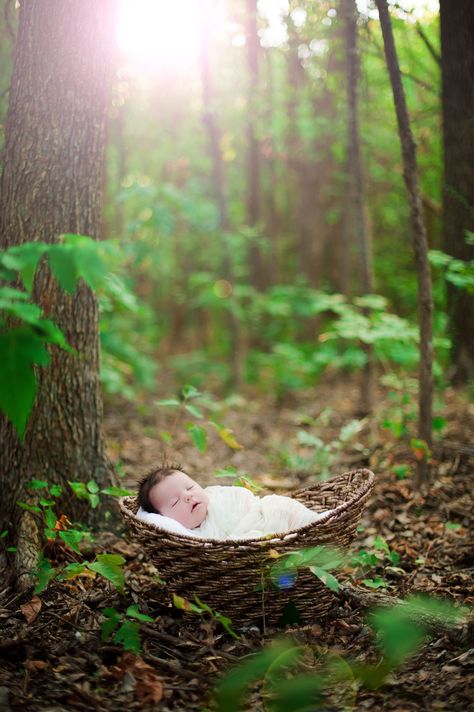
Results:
[361, 492]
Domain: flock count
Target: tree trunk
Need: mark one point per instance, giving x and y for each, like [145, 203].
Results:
[52, 184]
[357, 198]
[272, 220]
[457, 69]
[420, 245]
[219, 183]
[257, 267]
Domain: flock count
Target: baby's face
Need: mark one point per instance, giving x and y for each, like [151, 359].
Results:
[182, 499]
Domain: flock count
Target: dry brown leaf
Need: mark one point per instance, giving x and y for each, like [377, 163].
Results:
[149, 687]
[31, 609]
[35, 665]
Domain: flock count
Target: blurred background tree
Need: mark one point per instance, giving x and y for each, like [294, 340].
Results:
[240, 194]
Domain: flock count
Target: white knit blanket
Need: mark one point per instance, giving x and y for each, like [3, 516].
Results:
[236, 513]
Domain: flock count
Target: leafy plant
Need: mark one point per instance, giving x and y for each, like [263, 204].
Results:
[125, 627]
[378, 558]
[316, 456]
[320, 560]
[25, 332]
[201, 608]
[287, 687]
[192, 402]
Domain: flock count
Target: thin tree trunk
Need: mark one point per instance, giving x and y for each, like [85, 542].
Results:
[457, 70]
[219, 182]
[357, 202]
[52, 184]
[420, 245]
[271, 217]
[257, 267]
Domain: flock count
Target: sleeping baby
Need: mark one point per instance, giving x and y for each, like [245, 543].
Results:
[171, 500]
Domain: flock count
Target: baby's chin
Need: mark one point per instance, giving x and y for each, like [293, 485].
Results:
[202, 511]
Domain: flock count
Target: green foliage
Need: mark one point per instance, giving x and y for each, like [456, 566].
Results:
[126, 632]
[24, 331]
[457, 272]
[320, 560]
[315, 456]
[110, 566]
[375, 560]
[201, 608]
[198, 433]
[282, 667]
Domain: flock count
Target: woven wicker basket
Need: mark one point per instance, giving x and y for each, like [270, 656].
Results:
[228, 575]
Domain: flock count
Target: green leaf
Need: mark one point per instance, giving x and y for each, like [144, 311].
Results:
[37, 484]
[133, 612]
[380, 543]
[50, 518]
[4, 534]
[94, 500]
[229, 471]
[92, 487]
[129, 635]
[117, 492]
[53, 334]
[29, 507]
[20, 348]
[24, 259]
[71, 537]
[113, 618]
[198, 436]
[71, 571]
[184, 605]
[45, 573]
[90, 258]
[231, 688]
[168, 402]
[193, 410]
[226, 623]
[439, 423]
[375, 583]
[189, 392]
[55, 490]
[62, 260]
[328, 579]
[79, 489]
[452, 526]
[110, 566]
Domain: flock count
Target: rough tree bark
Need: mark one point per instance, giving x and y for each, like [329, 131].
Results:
[52, 184]
[457, 71]
[420, 244]
[219, 181]
[359, 230]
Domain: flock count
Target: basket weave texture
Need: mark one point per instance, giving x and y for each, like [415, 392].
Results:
[230, 575]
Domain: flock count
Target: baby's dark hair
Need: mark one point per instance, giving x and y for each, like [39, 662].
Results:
[151, 478]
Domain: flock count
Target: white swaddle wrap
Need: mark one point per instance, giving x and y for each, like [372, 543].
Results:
[236, 513]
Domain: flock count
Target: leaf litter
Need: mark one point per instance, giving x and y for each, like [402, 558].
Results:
[51, 652]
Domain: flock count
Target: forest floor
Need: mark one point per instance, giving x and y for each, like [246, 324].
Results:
[51, 653]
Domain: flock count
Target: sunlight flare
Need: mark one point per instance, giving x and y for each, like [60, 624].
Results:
[160, 34]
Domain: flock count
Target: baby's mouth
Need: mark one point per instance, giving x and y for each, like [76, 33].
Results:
[196, 504]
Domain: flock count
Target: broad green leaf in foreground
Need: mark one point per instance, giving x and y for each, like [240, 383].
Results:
[20, 348]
